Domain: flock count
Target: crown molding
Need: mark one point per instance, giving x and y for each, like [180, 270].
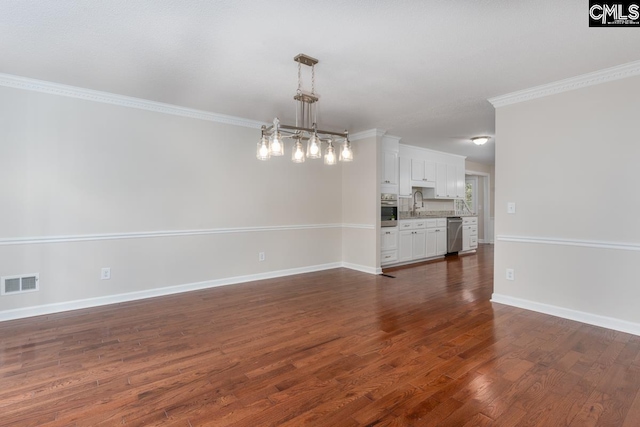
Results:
[371, 133]
[17, 82]
[393, 138]
[603, 76]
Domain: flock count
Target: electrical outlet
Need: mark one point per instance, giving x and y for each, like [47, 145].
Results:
[511, 208]
[105, 274]
[261, 256]
[511, 274]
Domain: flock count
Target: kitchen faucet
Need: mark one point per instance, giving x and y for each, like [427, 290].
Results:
[415, 205]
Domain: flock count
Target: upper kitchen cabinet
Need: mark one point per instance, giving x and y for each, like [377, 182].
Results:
[423, 171]
[440, 175]
[450, 181]
[460, 181]
[389, 167]
[404, 182]
[389, 164]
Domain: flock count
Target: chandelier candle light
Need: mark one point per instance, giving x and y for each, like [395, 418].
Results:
[306, 129]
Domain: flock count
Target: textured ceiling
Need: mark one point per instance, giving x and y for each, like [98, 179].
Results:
[421, 70]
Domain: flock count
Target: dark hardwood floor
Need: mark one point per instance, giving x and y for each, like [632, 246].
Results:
[333, 348]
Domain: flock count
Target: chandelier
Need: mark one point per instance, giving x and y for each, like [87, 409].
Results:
[306, 128]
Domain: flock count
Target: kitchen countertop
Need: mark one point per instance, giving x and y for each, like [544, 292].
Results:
[403, 216]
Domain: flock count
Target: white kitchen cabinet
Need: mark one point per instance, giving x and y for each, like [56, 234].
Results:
[390, 167]
[405, 245]
[404, 182]
[388, 257]
[466, 237]
[449, 182]
[441, 181]
[390, 151]
[441, 241]
[440, 175]
[469, 220]
[469, 233]
[436, 237]
[461, 182]
[419, 249]
[388, 245]
[423, 170]
[388, 239]
[432, 242]
[452, 181]
[412, 243]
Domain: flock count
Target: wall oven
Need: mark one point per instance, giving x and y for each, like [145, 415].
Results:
[388, 210]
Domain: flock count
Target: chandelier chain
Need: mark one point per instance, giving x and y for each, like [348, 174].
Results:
[299, 91]
[313, 79]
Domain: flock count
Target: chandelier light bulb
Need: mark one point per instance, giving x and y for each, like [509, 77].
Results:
[313, 147]
[263, 149]
[276, 146]
[330, 155]
[298, 154]
[346, 155]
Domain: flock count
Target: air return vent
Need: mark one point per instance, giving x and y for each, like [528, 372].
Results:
[19, 284]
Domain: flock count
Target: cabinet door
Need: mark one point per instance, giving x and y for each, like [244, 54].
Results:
[431, 242]
[417, 169]
[405, 245]
[388, 240]
[405, 177]
[466, 234]
[460, 183]
[419, 244]
[430, 171]
[441, 180]
[452, 182]
[390, 167]
[441, 242]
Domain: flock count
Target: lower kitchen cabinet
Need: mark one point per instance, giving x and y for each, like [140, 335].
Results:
[389, 238]
[413, 245]
[419, 243]
[436, 241]
[469, 233]
[388, 245]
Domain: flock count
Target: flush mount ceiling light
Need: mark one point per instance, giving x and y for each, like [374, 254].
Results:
[306, 128]
[480, 140]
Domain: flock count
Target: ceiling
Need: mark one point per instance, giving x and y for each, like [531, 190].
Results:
[421, 70]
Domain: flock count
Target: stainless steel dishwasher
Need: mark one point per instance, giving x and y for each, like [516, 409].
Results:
[454, 234]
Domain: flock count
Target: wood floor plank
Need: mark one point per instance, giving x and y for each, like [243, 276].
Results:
[329, 348]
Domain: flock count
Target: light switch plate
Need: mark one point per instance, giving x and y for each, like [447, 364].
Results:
[511, 207]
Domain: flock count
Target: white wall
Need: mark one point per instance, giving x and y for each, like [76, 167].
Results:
[82, 170]
[361, 206]
[569, 162]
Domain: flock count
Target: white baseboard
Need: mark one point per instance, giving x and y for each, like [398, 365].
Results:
[566, 313]
[20, 313]
[362, 268]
